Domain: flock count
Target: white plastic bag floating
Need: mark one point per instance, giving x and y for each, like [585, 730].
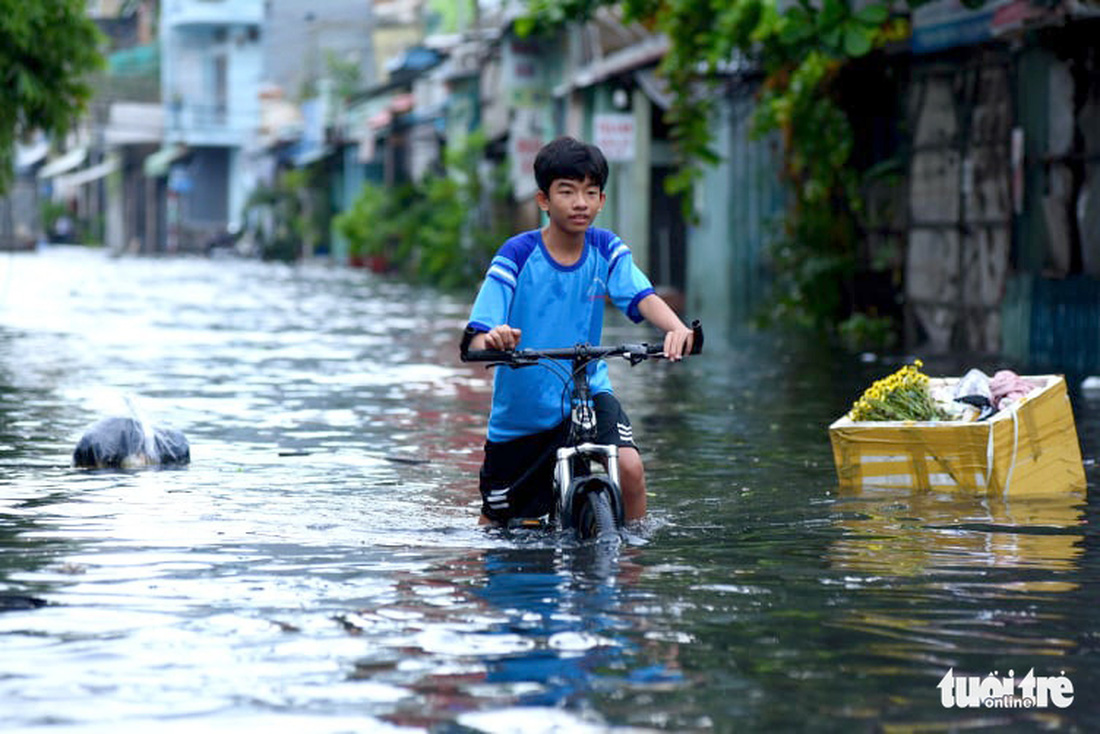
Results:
[973, 389]
[127, 442]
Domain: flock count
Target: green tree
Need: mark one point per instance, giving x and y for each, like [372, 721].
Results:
[48, 51]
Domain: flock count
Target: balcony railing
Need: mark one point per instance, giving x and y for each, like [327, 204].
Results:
[209, 124]
[183, 13]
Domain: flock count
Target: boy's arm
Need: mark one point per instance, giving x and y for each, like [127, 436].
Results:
[678, 337]
[490, 309]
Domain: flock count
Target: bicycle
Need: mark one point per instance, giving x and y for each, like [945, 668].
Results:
[588, 504]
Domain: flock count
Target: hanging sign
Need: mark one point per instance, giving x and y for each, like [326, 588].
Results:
[614, 135]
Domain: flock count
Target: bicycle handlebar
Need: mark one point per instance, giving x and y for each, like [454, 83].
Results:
[633, 353]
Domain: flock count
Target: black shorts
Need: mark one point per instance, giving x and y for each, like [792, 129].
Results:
[517, 476]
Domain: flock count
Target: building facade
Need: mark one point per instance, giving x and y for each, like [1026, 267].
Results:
[211, 72]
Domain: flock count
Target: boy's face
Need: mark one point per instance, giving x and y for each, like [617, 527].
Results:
[571, 205]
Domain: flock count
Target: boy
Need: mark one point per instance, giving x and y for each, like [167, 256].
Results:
[545, 288]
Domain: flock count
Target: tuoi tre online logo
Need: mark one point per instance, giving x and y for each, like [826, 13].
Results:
[1031, 691]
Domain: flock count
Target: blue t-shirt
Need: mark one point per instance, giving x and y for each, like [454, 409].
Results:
[554, 306]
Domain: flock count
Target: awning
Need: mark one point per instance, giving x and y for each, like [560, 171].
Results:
[402, 103]
[67, 162]
[655, 87]
[156, 164]
[87, 175]
[639, 55]
[308, 154]
[134, 123]
[27, 155]
[381, 120]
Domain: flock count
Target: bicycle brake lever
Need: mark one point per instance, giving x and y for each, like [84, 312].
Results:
[515, 362]
[636, 353]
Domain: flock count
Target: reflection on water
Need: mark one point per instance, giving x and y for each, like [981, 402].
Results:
[507, 630]
[986, 559]
[913, 533]
[318, 566]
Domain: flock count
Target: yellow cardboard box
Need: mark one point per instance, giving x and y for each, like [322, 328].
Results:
[1028, 449]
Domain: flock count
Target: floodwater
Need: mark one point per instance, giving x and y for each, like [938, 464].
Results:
[317, 567]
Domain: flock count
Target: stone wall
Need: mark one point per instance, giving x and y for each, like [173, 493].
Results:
[960, 212]
[1087, 202]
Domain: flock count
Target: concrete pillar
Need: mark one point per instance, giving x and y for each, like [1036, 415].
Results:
[636, 228]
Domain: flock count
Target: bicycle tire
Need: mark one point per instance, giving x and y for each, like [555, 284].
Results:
[596, 519]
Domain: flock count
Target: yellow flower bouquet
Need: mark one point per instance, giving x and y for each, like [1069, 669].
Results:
[902, 396]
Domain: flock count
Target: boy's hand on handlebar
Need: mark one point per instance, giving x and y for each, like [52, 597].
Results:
[502, 337]
[678, 343]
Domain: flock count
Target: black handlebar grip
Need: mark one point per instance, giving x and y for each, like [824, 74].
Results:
[464, 347]
[488, 355]
[480, 355]
[697, 337]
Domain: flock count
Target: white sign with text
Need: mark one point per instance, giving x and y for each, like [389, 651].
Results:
[614, 135]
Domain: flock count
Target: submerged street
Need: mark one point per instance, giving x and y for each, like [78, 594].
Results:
[317, 567]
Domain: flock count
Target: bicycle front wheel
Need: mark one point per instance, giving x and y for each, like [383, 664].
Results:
[596, 519]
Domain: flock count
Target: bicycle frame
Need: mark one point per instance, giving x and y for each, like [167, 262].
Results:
[572, 469]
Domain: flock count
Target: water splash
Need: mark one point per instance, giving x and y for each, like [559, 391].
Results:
[138, 414]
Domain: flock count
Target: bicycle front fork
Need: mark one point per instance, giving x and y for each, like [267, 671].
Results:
[607, 454]
[570, 486]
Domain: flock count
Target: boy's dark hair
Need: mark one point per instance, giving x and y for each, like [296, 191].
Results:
[571, 159]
